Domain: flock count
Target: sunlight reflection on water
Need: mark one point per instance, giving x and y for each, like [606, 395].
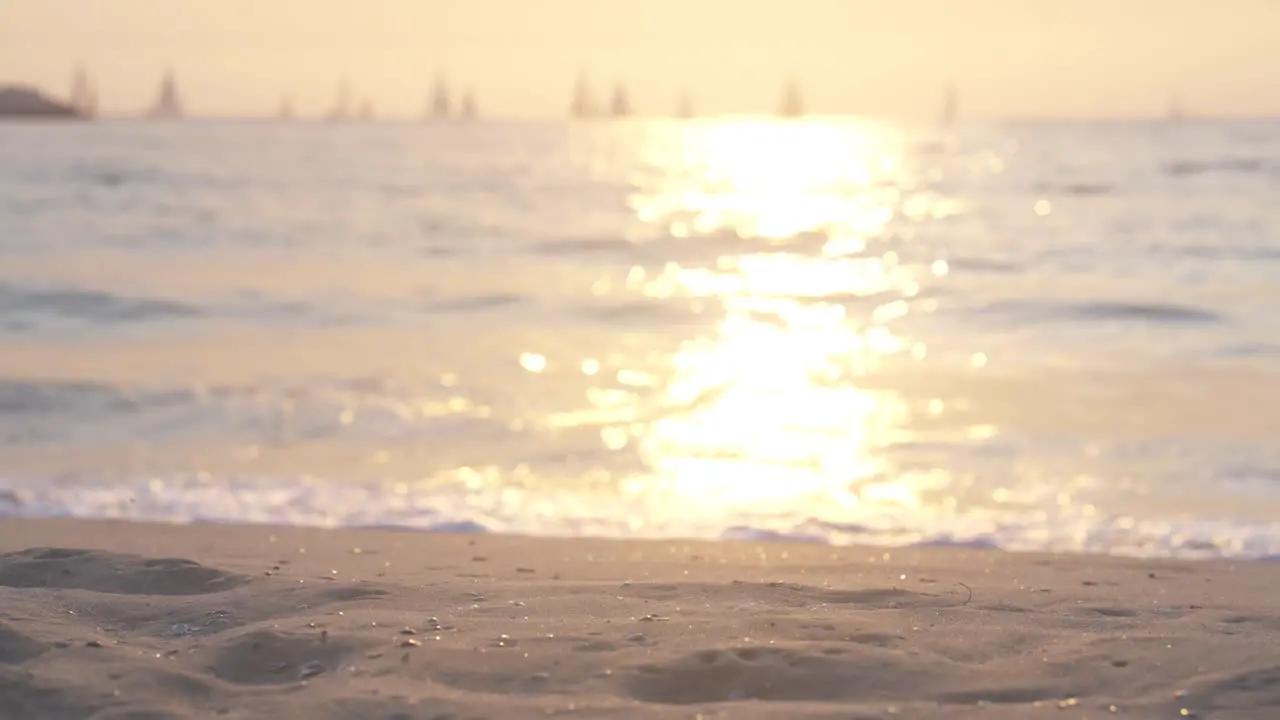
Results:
[766, 410]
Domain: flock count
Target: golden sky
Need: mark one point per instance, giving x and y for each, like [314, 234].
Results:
[890, 57]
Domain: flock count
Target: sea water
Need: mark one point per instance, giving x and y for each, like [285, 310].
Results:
[1028, 335]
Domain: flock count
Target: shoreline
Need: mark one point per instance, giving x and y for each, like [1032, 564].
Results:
[108, 618]
[732, 535]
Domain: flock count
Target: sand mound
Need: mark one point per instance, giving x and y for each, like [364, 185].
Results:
[271, 658]
[16, 648]
[110, 573]
[794, 673]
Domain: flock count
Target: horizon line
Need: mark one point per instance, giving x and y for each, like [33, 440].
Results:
[421, 118]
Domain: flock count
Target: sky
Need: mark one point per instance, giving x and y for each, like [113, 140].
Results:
[1007, 58]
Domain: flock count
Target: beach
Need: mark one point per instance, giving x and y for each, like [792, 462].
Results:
[107, 619]
[502, 360]
[729, 418]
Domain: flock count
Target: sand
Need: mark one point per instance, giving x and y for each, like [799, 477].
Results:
[122, 620]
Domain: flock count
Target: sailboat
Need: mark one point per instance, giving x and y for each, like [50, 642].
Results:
[366, 113]
[84, 95]
[286, 109]
[168, 105]
[620, 104]
[583, 105]
[792, 105]
[469, 111]
[684, 109]
[341, 110]
[441, 107]
[950, 107]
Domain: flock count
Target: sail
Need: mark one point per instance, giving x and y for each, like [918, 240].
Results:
[685, 107]
[582, 105]
[84, 95]
[792, 105]
[950, 106]
[168, 105]
[441, 106]
[342, 105]
[469, 110]
[286, 108]
[620, 105]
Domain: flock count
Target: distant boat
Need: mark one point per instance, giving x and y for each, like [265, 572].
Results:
[950, 106]
[441, 106]
[792, 105]
[286, 109]
[25, 103]
[684, 109]
[84, 95]
[1175, 113]
[341, 109]
[366, 110]
[469, 110]
[620, 105]
[583, 104]
[168, 104]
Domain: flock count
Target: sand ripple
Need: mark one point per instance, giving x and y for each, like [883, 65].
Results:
[316, 624]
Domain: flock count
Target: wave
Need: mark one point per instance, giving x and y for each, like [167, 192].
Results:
[36, 396]
[1087, 189]
[55, 415]
[584, 246]
[27, 309]
[985, 265]
[667, 312]
[1249, 350]
[1103, 311]
[1226, 165]
[89, 305]
[312, 502]
[1247, 253]
[61, 413]
[1078, 189]
[114, 174]
[474, 303]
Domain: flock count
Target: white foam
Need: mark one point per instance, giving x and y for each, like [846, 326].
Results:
[331, 504]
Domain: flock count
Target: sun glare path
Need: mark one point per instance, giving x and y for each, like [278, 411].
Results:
[766, 412]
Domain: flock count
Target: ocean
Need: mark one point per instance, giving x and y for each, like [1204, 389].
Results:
[1041, 335]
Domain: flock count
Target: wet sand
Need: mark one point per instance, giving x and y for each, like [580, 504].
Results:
[111, 620]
